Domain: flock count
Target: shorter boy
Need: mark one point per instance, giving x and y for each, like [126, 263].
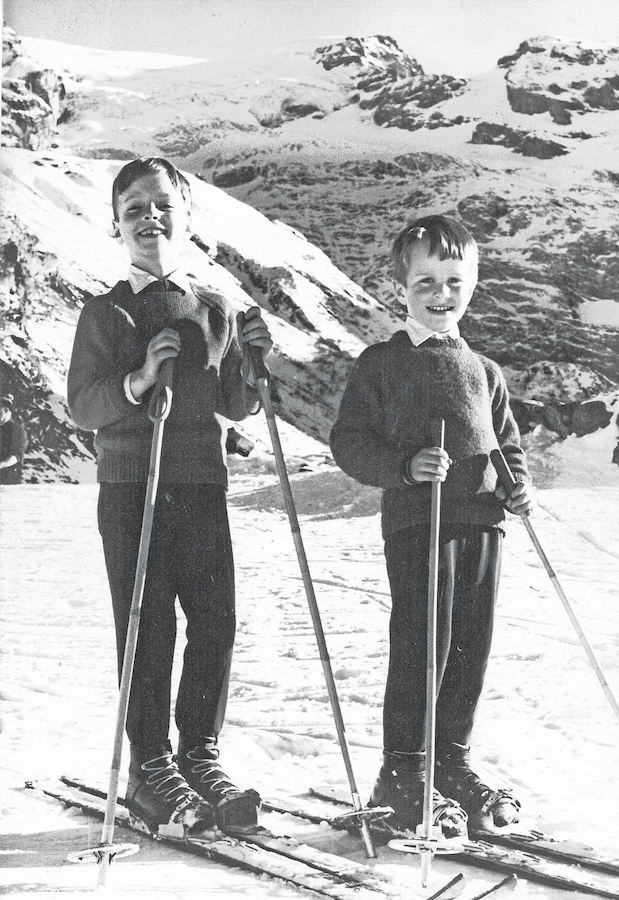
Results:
[159, 312]
[382, 437]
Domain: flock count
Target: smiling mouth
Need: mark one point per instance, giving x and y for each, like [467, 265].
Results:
[440, 309]
[151, 232]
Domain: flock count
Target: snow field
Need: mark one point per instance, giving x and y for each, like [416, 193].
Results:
[543, 726]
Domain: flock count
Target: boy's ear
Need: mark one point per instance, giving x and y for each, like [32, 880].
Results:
[115, 230]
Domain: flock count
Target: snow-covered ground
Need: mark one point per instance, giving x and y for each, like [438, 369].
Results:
[543, 726]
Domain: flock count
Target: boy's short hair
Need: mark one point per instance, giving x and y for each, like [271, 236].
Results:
[448, 239]
[145, 166]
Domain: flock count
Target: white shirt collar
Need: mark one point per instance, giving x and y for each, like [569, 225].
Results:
[418, 333]
[139, 279]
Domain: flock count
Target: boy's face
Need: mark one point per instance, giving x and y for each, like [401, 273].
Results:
[438, 291]
[153, 222]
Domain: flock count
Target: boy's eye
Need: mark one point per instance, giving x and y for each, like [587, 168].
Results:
[455, 281]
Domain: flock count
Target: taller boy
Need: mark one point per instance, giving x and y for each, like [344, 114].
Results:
[122, 338]
[382, 438]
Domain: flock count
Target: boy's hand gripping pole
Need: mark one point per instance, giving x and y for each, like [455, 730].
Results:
[158, 411]
[508, 482]
[360, 815]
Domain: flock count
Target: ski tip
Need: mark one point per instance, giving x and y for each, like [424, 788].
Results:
[451, 890]
[508, 883]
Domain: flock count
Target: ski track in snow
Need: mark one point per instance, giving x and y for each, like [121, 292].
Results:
[543, 725]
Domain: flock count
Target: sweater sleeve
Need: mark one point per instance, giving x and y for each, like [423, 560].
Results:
[95, 391]
[358, 439]
[506, 429]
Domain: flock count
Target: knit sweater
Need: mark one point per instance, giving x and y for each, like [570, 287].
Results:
[394, 392]
[112, 335]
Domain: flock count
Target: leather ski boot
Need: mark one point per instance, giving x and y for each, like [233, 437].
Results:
[400, 785]
[485, 806]
[235, 809]
[160, 798]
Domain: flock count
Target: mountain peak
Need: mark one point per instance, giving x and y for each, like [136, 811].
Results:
[368, 53]
[562, 76]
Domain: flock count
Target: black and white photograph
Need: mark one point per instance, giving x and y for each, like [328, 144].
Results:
[309, 449]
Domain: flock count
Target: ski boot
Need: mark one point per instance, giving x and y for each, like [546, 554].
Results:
[400, 785]
[159, 799]
[235, 809]
[485, 807]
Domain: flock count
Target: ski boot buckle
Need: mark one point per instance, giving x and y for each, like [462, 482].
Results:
[355, 817]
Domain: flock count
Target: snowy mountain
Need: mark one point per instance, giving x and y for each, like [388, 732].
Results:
[343, 146]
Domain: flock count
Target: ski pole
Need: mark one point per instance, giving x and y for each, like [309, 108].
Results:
[426, 849]
[508, 482]
[360, 815]
[158, 411]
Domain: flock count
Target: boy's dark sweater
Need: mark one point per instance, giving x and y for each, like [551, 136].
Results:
[111, 339]
[394, 391]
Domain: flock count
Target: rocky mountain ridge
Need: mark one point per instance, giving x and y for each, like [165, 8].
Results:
[344, 158]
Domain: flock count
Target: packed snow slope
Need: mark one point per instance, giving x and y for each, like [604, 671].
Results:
[543, 726]
[306, 165]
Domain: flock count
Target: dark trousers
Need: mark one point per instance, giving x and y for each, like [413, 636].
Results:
[469, 569]
[190, 558]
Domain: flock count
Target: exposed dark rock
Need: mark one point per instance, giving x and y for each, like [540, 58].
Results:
[11, 46]
[31, 288]
[533, 101]
[266, 285]
[32, 101]
[606, 96]
[27, 120]
[532, 71]
[590, 416]
[482, 213]
[299, 110]
[108, 153]
[48, 85]
[234, 177]
[525, 142]
[185, 138]
[392, 83]
[579, 418]
[370, 53]
[528, 46]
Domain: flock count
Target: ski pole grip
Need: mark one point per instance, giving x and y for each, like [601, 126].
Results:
[161, 399]
[506, 479]
[261, 373]
[437, 433]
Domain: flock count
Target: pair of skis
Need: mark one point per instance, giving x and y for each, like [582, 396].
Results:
[263, 852]
[541, 860]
